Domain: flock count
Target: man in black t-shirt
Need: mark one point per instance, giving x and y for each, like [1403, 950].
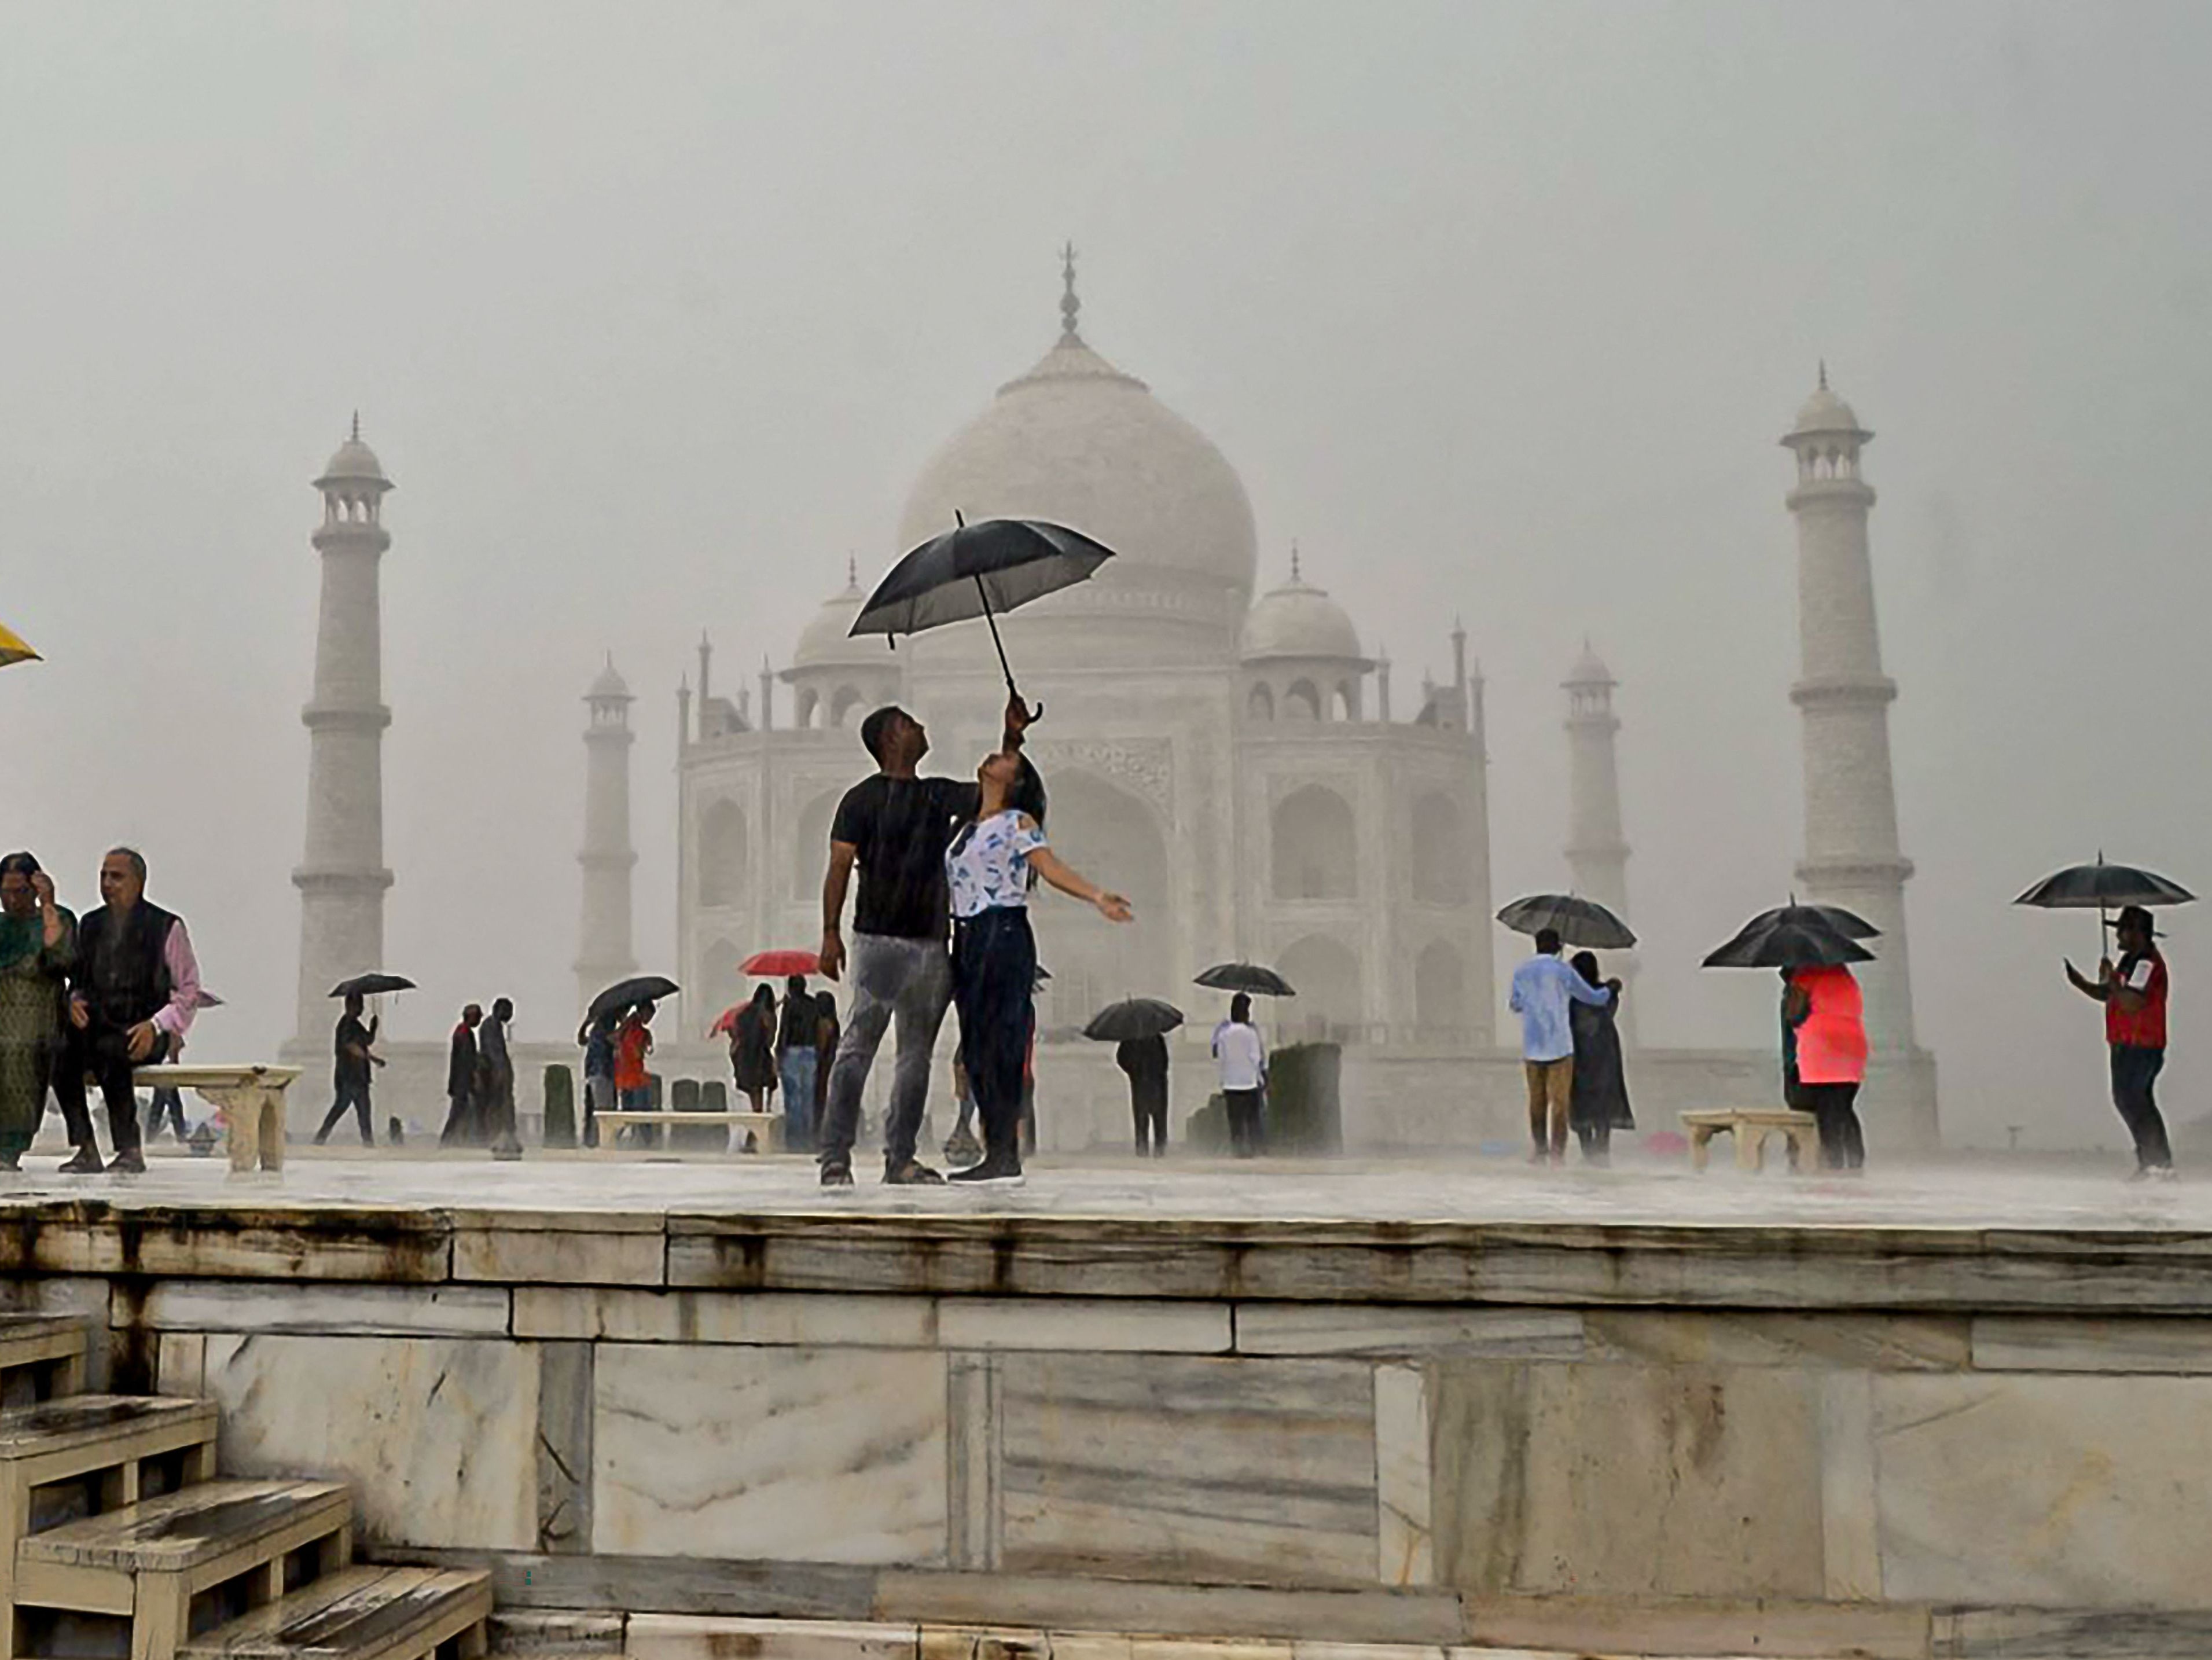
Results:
[349, 1074]
[895, 827]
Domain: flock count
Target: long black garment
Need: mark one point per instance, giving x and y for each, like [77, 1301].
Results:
[1600, 1100]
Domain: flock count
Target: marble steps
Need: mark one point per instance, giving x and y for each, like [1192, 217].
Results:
[362, 1614]
[42, 1355]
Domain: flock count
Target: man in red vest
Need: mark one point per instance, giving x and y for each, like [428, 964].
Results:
[2133, 992]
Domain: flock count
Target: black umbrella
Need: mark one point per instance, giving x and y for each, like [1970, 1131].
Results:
[1577, 921]
[1849, 923]
[371, 985]
[1133, 1017]
[2101, 886]
[979, 570]
[1804, 940]
[628, 994]
[1245, 976]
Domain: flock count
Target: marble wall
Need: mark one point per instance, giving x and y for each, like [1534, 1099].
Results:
[617, 1412]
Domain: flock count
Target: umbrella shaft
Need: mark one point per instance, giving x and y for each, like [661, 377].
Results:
[984, 594]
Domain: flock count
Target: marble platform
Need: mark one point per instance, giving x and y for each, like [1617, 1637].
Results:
[1939, 1411]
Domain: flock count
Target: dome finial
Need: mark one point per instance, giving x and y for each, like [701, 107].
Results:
[1069, 305]
[1823, 374]
[356, 426]
[853, 571]
[1296, 575]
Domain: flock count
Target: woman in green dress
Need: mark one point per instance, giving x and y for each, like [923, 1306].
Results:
[38, 947]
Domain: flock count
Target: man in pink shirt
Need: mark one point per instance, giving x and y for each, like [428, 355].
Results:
[132, 996]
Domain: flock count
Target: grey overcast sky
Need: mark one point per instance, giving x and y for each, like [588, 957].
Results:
[653, 311]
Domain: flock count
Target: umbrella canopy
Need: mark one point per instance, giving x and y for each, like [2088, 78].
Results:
[371, 985]
[1800, 938]
[1578, 921]
[14, 648]
[208, 999]
[1248, 978]
[628, 994]
[1849, 923]
[726, 1021]
[979, 570]
[777, 964]
[1133, 1017]
[2101, 886]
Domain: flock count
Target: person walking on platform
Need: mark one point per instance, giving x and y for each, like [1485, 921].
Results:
[134, 991]
[1598, 1102]
[1824, 1008]
[38, 947]
[598, 1040]
[1144, 1061]
[795, 1060]
[752, 1050]
[989, 868]
[2133, 992]
[463, 1128]
[495, 1081]
[1544, 989]
[350, 1072]
[895, 827]
[1242, 1055]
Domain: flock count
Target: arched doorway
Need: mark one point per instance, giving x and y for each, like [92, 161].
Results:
[722, 851]
[1440, 857]
[1113, 838]
[1314, 845]
[1330, 1003]
[1439, 994]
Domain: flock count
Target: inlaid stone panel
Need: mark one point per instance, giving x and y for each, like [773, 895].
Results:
[1680, 1480]
[1179, 1468]
[784, 1454]
[2046, 1491]
[439, 1434]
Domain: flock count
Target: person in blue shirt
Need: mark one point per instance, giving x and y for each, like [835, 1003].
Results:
[1544, 989]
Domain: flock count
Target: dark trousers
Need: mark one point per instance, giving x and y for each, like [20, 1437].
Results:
[1148, 1107]
[168, 1107]
[105, 1052]
[1246, 1136]
[2135, 1074]
[993, 982]
[353, 1092]
[464, 1128]
[1842, 1144]
[1597, 1141]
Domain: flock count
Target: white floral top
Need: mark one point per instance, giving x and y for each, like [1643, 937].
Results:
[988, 865]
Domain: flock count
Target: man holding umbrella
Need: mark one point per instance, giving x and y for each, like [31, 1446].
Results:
[1544, 988]
[2134, 996]
[895, 827]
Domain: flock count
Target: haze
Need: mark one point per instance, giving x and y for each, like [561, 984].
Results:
[652, 313]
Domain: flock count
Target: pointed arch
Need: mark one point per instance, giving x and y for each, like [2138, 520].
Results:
[1314, 843]
[723, 851]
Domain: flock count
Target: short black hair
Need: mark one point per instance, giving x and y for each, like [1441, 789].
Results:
[877, 724]
[19, 863]
[1547, 941]
[502, 1009]
[1240, 1009]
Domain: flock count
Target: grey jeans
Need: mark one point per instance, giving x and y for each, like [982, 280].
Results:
[910, 980]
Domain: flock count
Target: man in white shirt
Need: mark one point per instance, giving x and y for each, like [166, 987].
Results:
[1242, 1055]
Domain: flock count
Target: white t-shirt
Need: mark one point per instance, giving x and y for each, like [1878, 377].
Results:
[1243, 1056]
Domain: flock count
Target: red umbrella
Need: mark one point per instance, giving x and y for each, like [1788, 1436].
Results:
[775, 965]
[726, 1022]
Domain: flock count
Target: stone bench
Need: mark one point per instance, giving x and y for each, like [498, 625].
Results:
[1751, 1125]
[42, 1355]
[362, 1614]
[251, 1099]
[766, 1127]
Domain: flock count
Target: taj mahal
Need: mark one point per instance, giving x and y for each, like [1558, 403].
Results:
[1219, 738]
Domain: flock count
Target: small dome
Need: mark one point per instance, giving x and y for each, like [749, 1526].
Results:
[610, 684]
[827, 641]
[1589, 670]
[354, 460]
[1298, 620]
[1826, 412]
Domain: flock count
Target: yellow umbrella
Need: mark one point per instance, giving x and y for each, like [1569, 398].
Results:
[12, 650]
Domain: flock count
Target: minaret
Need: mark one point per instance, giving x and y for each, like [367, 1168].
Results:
[1851, 856]
[1597, 853]
[341, 877]
[603, 938]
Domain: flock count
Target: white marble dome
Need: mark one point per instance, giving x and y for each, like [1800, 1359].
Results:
[1826, 412]
[354, 460]
[826, 642]
[1078, 442]
[609, 685]
[1298, 620]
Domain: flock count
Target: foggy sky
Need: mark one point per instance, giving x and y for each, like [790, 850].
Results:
[653, 313]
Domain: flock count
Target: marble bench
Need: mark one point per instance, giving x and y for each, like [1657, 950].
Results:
[251, 1099]
[1751, 1125]
[766, 1126]
[42, 1355]
[362, 1614]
